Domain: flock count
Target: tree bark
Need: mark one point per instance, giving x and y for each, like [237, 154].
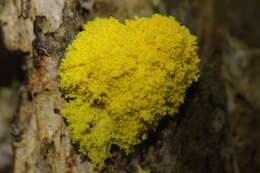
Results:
[216, 130]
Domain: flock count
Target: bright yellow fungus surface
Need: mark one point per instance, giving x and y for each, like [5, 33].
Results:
[120, 79]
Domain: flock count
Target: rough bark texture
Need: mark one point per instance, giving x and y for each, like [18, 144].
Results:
[217, 129]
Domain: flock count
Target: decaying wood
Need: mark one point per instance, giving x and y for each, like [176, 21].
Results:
[216, 130]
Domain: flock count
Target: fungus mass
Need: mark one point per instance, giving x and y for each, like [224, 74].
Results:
[120, 79]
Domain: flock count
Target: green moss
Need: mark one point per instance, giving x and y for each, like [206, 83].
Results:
[2, 3]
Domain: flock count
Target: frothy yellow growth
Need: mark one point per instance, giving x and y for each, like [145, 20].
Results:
[121, 79]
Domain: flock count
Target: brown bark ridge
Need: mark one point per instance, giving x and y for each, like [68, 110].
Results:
[216, 130]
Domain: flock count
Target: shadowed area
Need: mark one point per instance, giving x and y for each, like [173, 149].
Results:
[10, 65]
[12, 76]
